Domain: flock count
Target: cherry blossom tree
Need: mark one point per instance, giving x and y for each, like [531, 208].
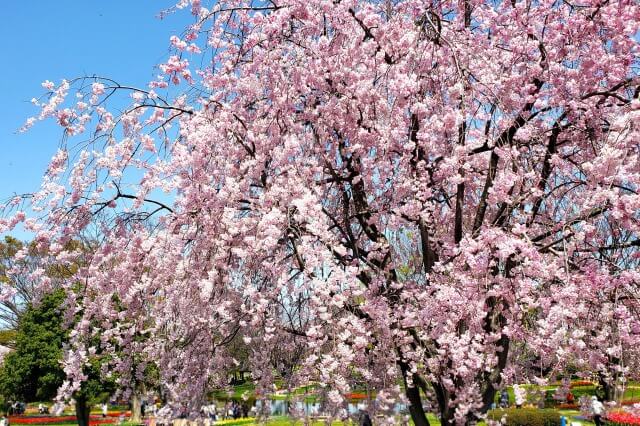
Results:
[409, 188]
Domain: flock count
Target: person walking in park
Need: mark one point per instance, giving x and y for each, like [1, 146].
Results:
[597, 408]
[504, 398]
[105, 408]
[365, 419]
[57, 409]
[520, 395]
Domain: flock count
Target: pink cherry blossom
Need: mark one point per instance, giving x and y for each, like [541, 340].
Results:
[428, 200]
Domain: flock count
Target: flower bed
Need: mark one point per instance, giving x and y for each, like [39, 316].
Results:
[567, 406]
[119, 413]
[575, 406]
[621, 418]
[356, 395]
[36, 420]
[578, 383]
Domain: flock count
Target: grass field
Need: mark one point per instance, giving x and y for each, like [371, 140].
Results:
[286, 421]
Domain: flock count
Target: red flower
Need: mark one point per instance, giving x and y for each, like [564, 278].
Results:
[567, 406]
[35, 420]
[356, 395]
[623, 418]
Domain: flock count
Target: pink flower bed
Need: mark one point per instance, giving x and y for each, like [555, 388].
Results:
[621, 418]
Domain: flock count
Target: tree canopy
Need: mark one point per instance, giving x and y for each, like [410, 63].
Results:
[33, 370]
[410, 192]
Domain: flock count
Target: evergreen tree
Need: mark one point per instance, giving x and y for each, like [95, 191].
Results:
[32, 372]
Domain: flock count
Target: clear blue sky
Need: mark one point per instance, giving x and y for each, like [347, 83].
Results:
[52, 40]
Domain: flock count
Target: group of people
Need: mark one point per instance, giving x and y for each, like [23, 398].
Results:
[210, 411]
[16, 407]
[235, 410]
[520, 395]
[231, 410]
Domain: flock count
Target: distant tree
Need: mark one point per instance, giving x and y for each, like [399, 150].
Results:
[16, 275]
[7, 337]
[25, 271]
[33, 372]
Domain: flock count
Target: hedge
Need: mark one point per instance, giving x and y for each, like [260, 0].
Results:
[526, 416]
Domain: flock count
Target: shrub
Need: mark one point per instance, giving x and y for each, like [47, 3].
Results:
[584, 390]
[526, 417]
[548, 397]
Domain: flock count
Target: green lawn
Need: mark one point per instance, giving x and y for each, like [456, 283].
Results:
[286, 421]
[632, 392]
[433, 420]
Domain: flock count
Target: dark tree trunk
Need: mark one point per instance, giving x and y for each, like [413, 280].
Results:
[418, 415]
[607, 392]
[416, 410]
[82, 410]
[447, 413]
[608, 388]
[490, 382]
